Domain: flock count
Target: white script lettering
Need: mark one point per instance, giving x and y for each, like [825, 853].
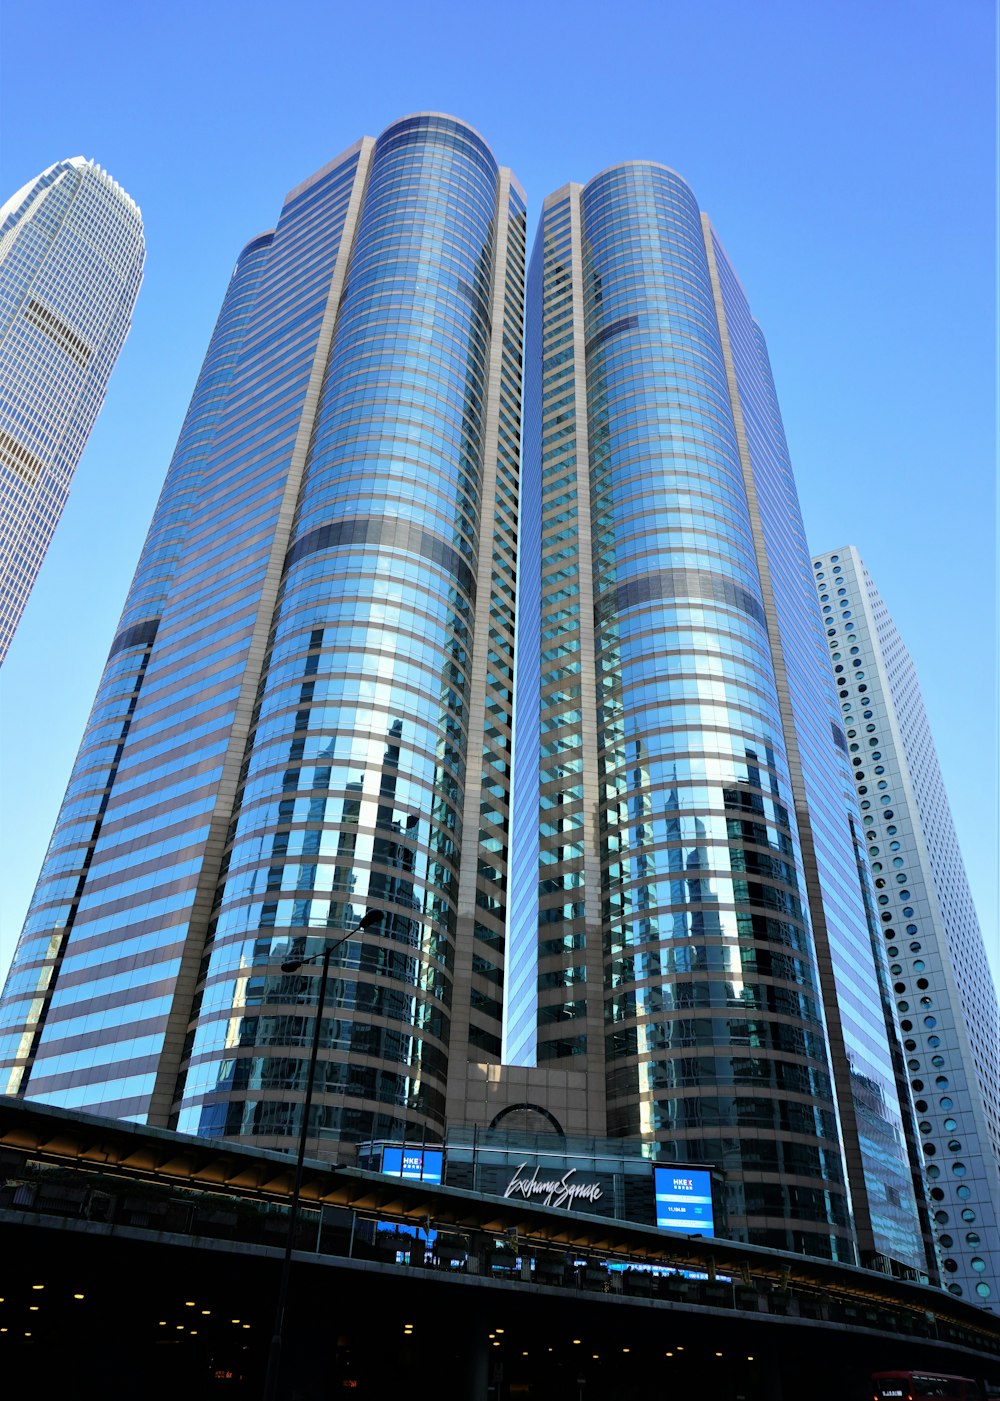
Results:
[559, 1191]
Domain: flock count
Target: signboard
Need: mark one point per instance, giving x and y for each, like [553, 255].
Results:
[414, 1164]
[684, 1200]
[557, 1187]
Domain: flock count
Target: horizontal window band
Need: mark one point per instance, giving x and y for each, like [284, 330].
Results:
[138, 635]
[44, 319]
[676, 585]
[370, 530]
[626, 323]
[26, 463]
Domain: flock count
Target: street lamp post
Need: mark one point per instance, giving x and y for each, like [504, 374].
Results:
[371, 918]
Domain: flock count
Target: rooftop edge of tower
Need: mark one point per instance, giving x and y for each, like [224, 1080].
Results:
[641, 164]
[356, 146]
[81, 163]
[580, 188]
[445, 117]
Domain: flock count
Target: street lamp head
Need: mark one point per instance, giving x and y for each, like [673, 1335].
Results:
[367, 921]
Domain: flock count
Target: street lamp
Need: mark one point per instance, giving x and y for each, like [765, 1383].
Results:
[371, 918]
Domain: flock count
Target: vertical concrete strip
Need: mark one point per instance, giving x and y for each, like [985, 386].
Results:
[595, 990]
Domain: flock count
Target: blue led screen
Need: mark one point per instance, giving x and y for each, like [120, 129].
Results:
[417, 1164]
[684, 1200]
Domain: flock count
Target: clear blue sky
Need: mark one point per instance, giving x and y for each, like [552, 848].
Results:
[844, 151]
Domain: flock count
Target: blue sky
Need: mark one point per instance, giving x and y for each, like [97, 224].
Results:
[845, 152]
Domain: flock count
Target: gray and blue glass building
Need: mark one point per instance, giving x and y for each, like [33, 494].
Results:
[704, 947]
[306, 708]
[630, 904]
[71, 255]
[926, 918]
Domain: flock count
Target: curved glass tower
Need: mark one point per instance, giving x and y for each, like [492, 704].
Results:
[698, 898]
[71, 255]
[306, 709]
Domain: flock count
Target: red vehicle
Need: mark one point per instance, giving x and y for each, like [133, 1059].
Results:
[909, 1386]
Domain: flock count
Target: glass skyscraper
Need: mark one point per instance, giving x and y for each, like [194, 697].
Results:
[941, 981]
[71, 255]
[308, 712]
[306, 709]
[703, 947]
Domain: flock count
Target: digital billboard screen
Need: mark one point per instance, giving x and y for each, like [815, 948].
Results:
[415, 1164]
[684, 1200]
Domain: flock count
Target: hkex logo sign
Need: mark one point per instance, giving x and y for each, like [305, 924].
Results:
[684, 1200]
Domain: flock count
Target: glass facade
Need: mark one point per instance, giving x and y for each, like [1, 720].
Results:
[639, 907]
[71, 255]
[932, 948]
[859, 1024]
[367, 737]
[690, 936]
[303, 709]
